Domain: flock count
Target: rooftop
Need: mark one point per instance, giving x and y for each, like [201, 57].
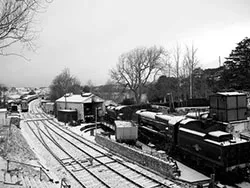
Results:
[3, 110]
[231, 93]
[80, 98]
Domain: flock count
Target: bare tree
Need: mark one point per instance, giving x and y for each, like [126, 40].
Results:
[64, 83]
[17, 23]
[176, 58]
[137, 67]
[191, 62]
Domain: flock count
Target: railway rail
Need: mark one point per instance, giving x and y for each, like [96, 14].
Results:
[89, 160]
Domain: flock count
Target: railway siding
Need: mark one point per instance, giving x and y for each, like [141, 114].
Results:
[112, 170]
[160, 166]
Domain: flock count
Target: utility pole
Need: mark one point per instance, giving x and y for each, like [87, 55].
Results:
[96, 120]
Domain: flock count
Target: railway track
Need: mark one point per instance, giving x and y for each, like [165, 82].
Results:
[88, 163]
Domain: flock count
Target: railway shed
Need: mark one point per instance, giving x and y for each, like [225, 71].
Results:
[87, 106]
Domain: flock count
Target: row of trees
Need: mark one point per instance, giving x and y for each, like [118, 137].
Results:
[159, 73]
[141, 66]
[153, 70]
[180, 73]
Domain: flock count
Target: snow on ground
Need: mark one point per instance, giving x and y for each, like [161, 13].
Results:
[189, 174]
[86, 135]
[28, 135]
[244, 185]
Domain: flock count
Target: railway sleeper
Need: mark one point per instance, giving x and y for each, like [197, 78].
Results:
[127, 171]
[100, 156]
[68, 163]
[146, 182]
[66, 159]
[110, 162]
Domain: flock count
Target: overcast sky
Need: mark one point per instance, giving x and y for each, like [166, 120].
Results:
[88, 36]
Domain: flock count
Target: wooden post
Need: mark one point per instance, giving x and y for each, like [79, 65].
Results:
[8, 162]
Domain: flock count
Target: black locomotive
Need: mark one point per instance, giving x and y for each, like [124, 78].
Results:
[201, 143]
[201, 139]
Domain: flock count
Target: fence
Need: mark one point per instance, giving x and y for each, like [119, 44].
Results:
[41, 170]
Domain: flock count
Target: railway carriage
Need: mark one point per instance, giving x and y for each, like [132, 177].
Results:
[25, 102]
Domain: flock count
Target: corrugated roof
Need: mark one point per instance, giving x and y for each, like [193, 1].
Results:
[77, 98]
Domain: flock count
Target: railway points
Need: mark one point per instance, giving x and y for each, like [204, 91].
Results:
[95, 160]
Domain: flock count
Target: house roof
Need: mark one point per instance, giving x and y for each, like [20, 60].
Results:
[80, 98]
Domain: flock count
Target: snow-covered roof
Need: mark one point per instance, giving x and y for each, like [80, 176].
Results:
[120, 107]
[195, 114]
[67, 110]
[230, 93]
[187, 120]
[170, 118]
[147, 114]
[77, 98]
[15, 96]
[3, 110]
[120, 123]
[227, 143]
[218, 133]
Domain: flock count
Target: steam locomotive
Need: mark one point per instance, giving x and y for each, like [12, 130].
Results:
[200, 142]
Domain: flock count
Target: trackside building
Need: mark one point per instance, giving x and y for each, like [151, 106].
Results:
[78, 107]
